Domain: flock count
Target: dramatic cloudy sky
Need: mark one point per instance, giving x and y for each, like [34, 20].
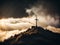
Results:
[17, 16]
[16, 8]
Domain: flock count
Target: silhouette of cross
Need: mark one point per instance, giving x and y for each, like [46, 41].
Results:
[36, 21]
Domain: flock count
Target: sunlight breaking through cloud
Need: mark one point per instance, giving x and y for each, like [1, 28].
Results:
[11, 26]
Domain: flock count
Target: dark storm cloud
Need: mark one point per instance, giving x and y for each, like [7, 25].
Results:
[16, 8]
[52, 6]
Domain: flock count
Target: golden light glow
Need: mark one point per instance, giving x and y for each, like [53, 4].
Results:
[11, 26]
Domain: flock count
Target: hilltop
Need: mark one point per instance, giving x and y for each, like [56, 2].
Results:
[34, 36]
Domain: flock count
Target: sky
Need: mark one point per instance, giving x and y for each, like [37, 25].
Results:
[17, 8]
[13, 8]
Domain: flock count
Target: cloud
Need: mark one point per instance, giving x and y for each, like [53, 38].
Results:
[11, 26]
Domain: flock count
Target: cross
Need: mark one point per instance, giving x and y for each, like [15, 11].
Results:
[36, 20]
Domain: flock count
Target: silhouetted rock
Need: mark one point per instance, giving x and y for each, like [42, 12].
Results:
[34, 36]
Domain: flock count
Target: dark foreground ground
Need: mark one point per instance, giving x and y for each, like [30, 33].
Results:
[34, 36]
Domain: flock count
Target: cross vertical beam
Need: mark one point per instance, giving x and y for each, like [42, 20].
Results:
[36, 20]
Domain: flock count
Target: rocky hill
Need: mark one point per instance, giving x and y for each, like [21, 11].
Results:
[34, 36]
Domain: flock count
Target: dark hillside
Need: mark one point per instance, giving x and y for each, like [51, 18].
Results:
[34, 36]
